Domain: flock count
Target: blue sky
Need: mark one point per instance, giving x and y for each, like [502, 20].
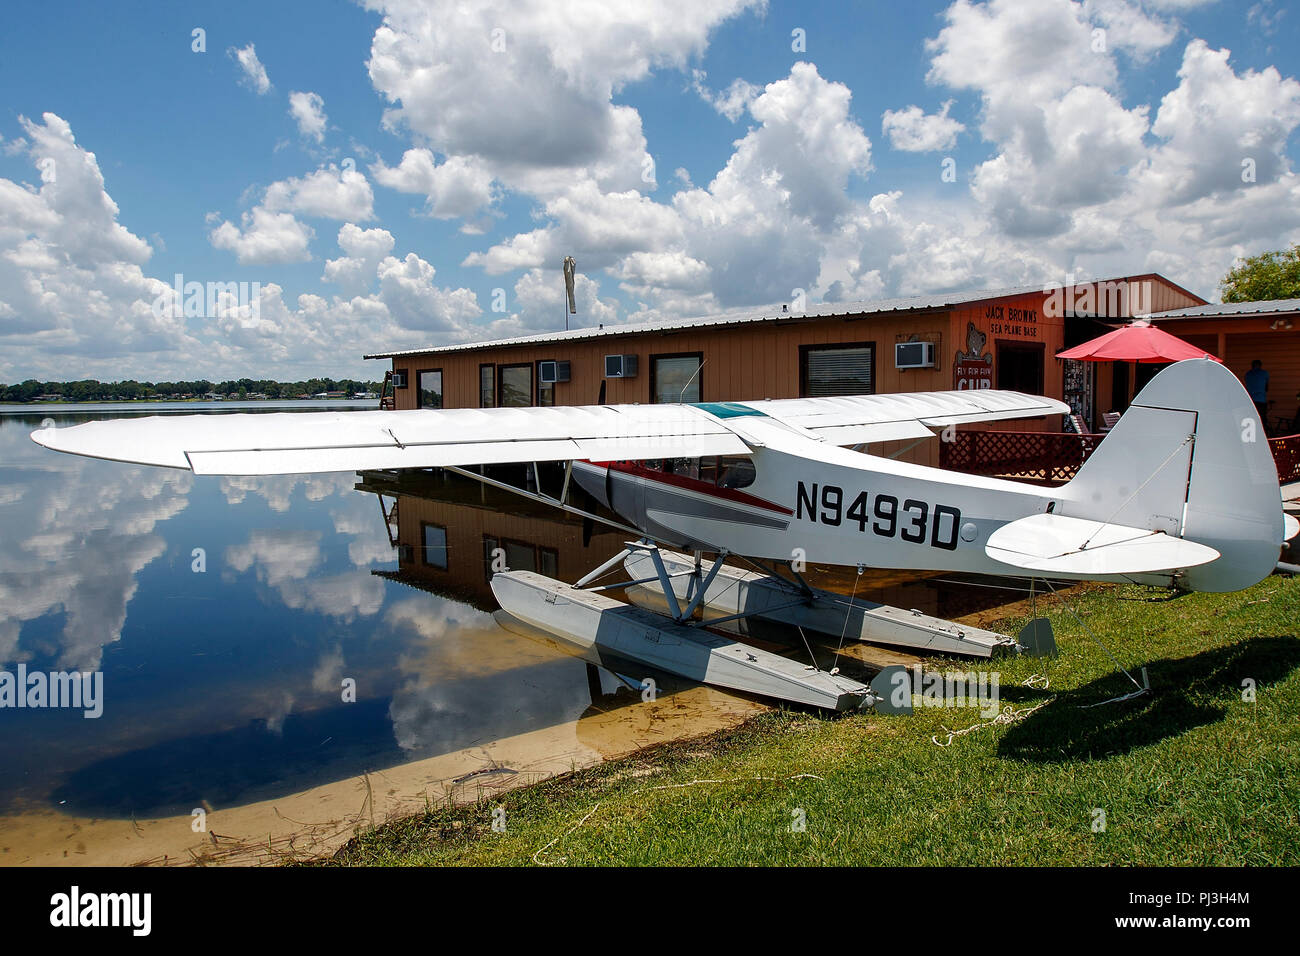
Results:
[688, 156]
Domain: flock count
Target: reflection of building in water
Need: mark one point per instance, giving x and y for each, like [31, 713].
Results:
[445, 529]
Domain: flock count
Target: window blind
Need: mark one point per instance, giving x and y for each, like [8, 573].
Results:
[839, 371]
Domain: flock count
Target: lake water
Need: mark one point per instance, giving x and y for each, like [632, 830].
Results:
[226, 615]
[71, 412]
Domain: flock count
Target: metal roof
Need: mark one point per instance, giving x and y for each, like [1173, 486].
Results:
[1231, 308]
[914, 303]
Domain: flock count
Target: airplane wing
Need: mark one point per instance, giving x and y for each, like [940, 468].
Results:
[1059, 544]
[303, 442]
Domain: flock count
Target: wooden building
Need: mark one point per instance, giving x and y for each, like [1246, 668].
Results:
[1239, 333]
[1004, 338]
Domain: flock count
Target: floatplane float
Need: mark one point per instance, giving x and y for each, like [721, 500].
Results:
[1181, 494]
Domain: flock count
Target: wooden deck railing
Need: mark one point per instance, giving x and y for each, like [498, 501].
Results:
[1055, 457]
[1286, 455]
[1043, 456]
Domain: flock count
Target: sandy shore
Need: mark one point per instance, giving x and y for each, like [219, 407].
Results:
[318, 821]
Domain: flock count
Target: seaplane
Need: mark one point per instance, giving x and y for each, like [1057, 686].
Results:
[1182, 494]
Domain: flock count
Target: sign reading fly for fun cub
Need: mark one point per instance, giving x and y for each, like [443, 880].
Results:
[972, 367]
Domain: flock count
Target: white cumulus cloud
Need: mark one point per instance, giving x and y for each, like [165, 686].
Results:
[72, 277]
[915, 131]
[327, 193]
[453, 71]
[265, 238]
[455, 189]
[308, 111]
[252, 73]
[363, 250]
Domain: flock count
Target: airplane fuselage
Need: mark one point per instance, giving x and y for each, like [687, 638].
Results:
[811, 501]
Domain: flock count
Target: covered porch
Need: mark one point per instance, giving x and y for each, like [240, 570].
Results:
[1239, 333]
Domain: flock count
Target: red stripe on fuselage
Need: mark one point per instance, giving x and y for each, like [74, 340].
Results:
[693, 484]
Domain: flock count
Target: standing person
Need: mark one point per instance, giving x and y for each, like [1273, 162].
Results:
[1257, 387]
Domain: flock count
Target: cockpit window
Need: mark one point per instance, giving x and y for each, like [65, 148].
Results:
[736, 473]
[722, 471]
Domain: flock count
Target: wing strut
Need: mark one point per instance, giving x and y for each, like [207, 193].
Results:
[544, 499]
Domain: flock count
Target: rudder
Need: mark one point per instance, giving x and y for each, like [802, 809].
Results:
[1190, 458]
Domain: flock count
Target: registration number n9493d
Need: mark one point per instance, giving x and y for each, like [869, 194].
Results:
[918, 522]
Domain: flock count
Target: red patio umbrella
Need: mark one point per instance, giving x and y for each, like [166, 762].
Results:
[1139, 341]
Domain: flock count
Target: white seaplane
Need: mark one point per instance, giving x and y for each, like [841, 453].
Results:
[1182, 493]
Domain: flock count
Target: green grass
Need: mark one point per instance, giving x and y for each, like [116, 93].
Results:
[1187, 775]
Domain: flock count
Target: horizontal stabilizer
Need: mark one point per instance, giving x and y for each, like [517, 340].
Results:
[1061, 545]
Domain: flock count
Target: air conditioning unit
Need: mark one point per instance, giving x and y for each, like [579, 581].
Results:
[550, 372]
[913, 355]
[399, 380]
[620, 366]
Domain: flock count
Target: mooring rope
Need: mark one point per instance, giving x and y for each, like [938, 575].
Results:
[845, 629]
[1008, 716]
[1096, 640]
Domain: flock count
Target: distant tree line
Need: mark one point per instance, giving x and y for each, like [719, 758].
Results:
[89, 390]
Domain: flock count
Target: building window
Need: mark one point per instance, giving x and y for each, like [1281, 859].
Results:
[490, 546]
[837, 369]
[520, 556]
[1020, 366]
[429, 386]
[487, 386]
[435, 545]
[515, 388]
[545, 390]
[676, 378]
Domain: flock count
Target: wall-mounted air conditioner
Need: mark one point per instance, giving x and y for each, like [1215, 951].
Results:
[399, 380]
[620, 366]
[913, 355]
[550, 372]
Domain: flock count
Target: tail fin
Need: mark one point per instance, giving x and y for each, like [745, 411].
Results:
[1190, 458]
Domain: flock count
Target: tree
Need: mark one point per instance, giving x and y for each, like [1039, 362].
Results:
[1269, 275]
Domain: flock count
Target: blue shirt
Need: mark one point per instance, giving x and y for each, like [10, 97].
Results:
[1257, 385]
